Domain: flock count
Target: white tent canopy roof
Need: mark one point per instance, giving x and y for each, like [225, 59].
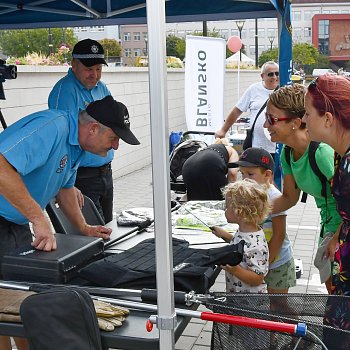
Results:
[235, 58]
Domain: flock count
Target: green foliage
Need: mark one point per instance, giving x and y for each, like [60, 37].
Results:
[111, 47]
[20, 42]
[304, 54]
[171, 41]
[322, 61]
[268, 55]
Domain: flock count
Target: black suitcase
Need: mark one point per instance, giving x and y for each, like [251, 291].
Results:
[58, 266]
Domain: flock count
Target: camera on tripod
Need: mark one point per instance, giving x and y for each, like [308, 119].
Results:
[6, 72]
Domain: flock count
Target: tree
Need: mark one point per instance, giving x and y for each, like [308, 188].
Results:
[111, 47]
[304, 54]
[268, 55]
[172, 45]
[19, 43]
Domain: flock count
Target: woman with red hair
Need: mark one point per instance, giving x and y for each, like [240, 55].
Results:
[327, 117]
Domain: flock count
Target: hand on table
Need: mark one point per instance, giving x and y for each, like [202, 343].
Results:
[97, 231]
[44, 236]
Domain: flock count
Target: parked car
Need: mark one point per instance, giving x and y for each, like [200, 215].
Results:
[317, 72]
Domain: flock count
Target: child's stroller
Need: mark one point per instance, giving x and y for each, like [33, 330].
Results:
[187, 146]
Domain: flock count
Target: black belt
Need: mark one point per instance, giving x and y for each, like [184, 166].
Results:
[85, 172]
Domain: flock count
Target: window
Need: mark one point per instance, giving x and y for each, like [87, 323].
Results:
[261, 33]
[297, 33]
[251, 50]
[224, 33]
[234, 32]
[296, 16]
[271, 32]
[323, 37]
[127, 36]
[308, 15]
[127, 52]
[94, 29]
[307, 32]
[137, 52]
[244, 33]
[145, 35]
[137, 36]
[251, 32]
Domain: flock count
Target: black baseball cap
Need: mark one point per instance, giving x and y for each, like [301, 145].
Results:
[254, 157]
[89, 52]
[114, 115]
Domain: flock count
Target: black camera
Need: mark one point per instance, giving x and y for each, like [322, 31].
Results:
[6, 72]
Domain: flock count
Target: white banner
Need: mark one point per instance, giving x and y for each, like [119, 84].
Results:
[204, 83]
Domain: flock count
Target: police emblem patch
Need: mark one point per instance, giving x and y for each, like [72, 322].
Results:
[63, 163]
[94, 49]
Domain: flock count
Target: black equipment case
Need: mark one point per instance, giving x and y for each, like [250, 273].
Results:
[59, 266]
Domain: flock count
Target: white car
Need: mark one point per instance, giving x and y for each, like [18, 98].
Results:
[317, 72]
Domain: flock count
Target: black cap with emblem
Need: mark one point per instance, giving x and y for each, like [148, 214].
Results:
[89, 52]
[114, 115]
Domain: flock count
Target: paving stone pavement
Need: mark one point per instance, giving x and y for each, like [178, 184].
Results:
[135, 190]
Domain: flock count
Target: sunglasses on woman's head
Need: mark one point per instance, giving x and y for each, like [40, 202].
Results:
[313, 84]
[272, 120]
[271, 74]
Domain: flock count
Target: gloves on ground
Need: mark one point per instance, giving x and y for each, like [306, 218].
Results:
[109, 316]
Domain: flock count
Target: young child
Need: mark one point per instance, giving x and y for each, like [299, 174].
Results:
[247, 205]
[257, 164]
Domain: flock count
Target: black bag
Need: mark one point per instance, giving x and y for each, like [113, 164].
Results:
[248, 141]
[61, 318]
[136, 267]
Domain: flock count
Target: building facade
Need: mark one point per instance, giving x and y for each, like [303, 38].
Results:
[307, 17]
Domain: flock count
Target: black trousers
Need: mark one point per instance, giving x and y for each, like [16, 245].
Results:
[97, 184]
[12, 236]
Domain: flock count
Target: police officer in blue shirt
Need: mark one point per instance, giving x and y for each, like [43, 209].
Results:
[39, 157]
[73, 93]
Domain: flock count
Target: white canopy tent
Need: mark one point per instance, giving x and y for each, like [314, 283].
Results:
[235, 58]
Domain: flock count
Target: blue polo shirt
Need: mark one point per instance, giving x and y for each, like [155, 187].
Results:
[43, 147]
[69, 94]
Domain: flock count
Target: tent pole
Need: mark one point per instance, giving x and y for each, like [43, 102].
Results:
[166, 319]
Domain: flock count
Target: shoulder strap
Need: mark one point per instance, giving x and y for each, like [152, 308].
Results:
[257, 115]
[287, 151]
[312, 159]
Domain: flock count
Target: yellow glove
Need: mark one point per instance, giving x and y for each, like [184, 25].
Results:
[109, 316]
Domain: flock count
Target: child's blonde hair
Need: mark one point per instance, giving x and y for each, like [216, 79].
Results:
[249, 200]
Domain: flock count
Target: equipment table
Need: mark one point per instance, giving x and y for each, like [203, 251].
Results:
[132, 335]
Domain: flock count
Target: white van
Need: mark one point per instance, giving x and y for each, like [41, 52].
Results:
[317, 72]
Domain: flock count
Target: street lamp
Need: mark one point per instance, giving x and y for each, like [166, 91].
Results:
[50, 42]
[240, 25]
[146, 44]
[271, 39]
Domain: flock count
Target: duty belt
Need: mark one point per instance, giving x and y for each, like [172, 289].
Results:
[86, 172]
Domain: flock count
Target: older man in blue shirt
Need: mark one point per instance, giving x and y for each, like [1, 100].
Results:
[39, 157]
[81, 86]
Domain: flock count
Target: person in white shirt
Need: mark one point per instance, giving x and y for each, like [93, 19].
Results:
[252, 100]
